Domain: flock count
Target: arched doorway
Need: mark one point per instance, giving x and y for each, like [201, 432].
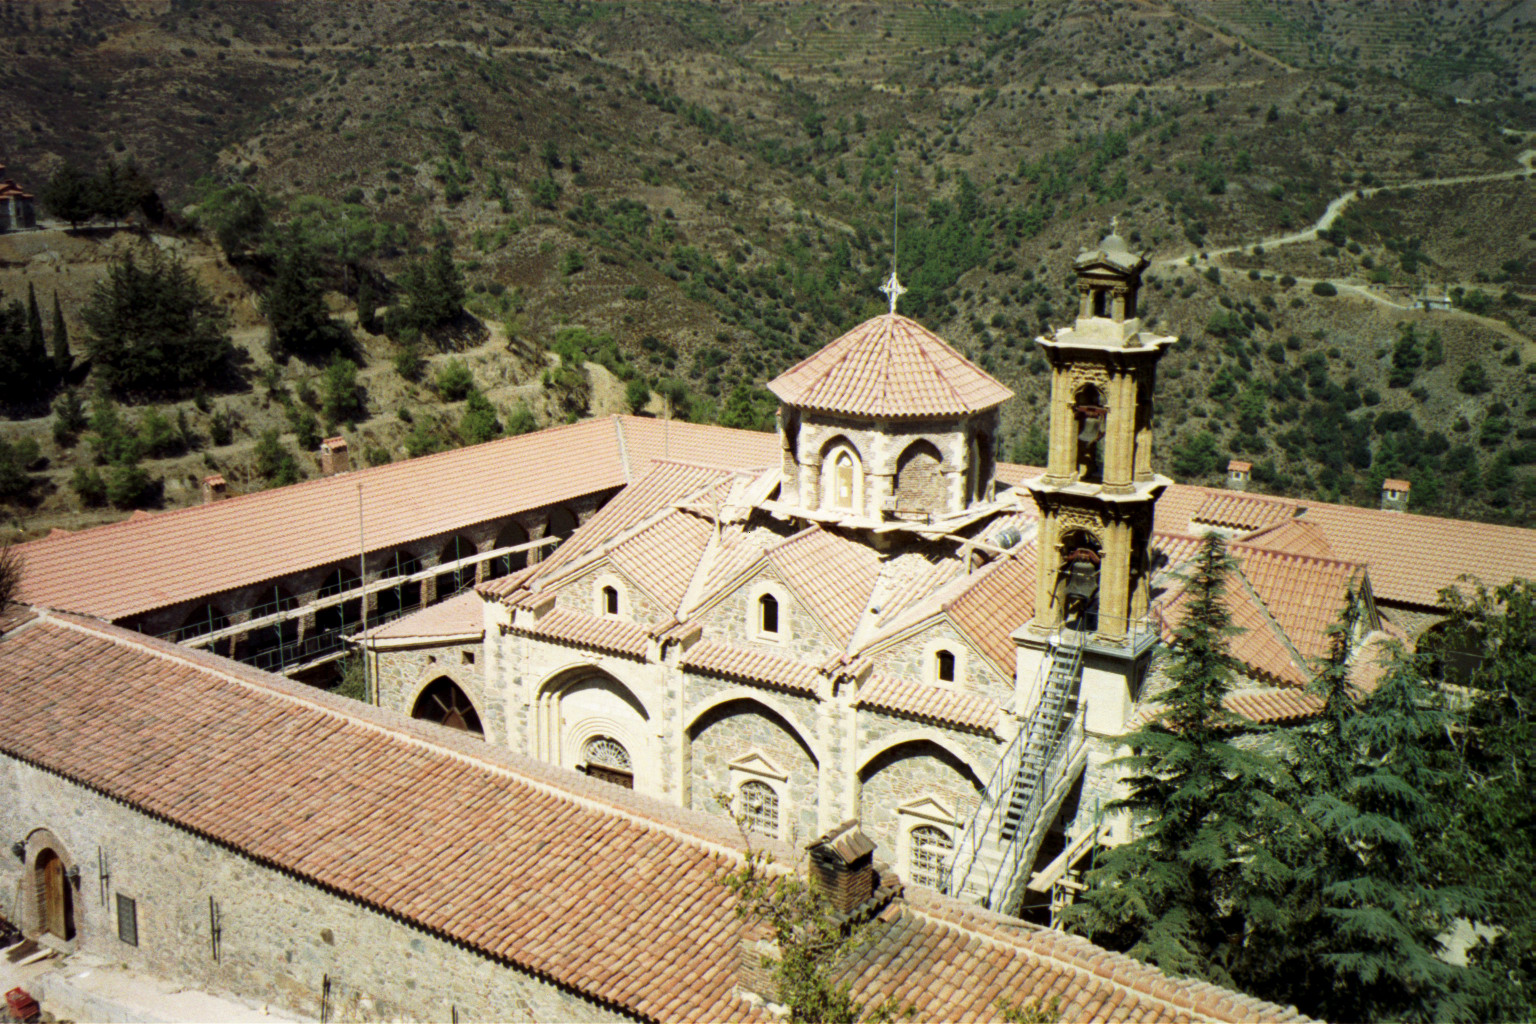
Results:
[510, 536]
[591, 722]
[56, 907]
[442, 701]
[455, 580]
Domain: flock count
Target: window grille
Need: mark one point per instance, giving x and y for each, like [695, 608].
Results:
[607, 752]
[768, 607]
[127, 919]
[931, 848]
[760, 808]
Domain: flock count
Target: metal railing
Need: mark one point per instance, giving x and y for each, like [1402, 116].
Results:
[1016, 787]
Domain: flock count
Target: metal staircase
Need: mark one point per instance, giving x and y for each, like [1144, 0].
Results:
[997, 849]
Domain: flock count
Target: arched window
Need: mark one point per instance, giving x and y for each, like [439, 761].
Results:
[510, 536]
[609, 761]
[760, 808]
[842, 480]
[404, 596]
[944, 666]
[768, 613]
[444, 703]
[930, 848]
[610, 601]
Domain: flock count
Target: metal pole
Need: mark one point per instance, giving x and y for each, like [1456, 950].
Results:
[362, 580]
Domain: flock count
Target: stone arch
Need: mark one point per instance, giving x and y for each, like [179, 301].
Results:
[920, 483]
[802, 733]
[580, 702]
[731, 726]
[49, 894]
[201, 620]
[454, 580]
[1090, 419]
[402, 597]
[511, 535]
[562, 522]
[444, 701]
[976, 769]
[915, 764]
[842, 475]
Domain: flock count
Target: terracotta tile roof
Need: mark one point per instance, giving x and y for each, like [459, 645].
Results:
[1410, 557]
[662, 484]
[460, 615]
[1277, 706]
[955, 962]
[929, 702]
[1013, 473]
[662, 557]
[1261, 647]
[1177, 548]
[1298, 536]
[600, 890]
[583, 630]
[215, 748]
[831, 574]
[191, 552]
[1305, 595]
[1238, 511]
[889, 366]
[723, 659]
[647, 439]
[1396, 485]
[1238, 466]
[1000, 601]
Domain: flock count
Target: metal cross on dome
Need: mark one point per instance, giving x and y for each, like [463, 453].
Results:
[893, 289]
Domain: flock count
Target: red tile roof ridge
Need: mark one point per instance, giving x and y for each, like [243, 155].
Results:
[707, 831]
[1074, 955]
[1243, 549]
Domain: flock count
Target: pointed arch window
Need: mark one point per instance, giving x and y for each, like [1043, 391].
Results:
[842, 480]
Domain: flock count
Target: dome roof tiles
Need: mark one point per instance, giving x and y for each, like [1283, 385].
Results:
[890, 366]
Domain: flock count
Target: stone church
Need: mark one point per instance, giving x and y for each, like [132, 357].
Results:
[875, 627]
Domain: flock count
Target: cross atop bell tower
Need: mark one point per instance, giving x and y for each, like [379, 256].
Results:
[1097, 494]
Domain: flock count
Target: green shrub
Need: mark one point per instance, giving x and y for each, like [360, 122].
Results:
[454, 380]
[1324, 288]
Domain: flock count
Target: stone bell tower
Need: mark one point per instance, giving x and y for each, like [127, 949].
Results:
[1097, 494]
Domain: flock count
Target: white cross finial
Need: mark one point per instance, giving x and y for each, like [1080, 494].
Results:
[893, 289]
[1114, 224]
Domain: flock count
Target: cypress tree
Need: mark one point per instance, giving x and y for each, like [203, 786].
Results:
[1199, 890]
[62, 361]
[37, 346]
[293, 303]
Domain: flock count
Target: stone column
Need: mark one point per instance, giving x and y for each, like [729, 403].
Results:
[1114, 576]
[1062, 463]
[1047, 562]
[1119, 432]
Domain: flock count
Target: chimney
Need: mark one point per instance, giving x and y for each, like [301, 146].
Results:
[333, 456]
[1394, 495]
[843, 866]
[1237, 475]
[213, 489]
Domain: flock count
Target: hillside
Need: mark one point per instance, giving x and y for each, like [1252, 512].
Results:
[712, 188]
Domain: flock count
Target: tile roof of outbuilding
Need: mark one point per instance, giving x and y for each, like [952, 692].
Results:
[999, 602]
[597, 889]
[889, 366]
[1306, 595]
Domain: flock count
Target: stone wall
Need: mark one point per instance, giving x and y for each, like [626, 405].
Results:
[401, 674]
[279, 939]
[906, 773]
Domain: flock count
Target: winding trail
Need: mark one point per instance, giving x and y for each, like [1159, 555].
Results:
[1526, 159]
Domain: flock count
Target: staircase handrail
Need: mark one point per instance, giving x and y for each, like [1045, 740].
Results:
[1063, 749]
[1008, 763]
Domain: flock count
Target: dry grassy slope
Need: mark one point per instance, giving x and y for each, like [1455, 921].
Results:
[324, 98]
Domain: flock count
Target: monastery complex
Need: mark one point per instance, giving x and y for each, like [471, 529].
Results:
[586, 646]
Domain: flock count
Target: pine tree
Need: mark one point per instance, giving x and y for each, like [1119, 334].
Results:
[62, 361]
[1375, 780]
[1200, 889]
[68, 195]
[293, 304]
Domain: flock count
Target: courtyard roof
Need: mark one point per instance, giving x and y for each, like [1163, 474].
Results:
[600, 890]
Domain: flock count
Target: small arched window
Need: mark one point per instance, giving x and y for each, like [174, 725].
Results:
[931, 848]
[944, 666]
[610, 601]
[609, 761]
[842, 480]
[768, 614]
[760, 808]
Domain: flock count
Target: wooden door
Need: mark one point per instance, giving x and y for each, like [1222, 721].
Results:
[58, 907]
[615, 776]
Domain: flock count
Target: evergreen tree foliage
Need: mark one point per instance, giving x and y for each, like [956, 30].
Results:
[479, 422]
[1198, 891]
[69, 417]
[69, 195]
[341, 398]
[36, 344]
[367, 301]
[152, 328]
[63, 362]
[1490, 839]
[16, 457]
[274, 462]
[294, 304]
[236, 214]
[434, 291]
